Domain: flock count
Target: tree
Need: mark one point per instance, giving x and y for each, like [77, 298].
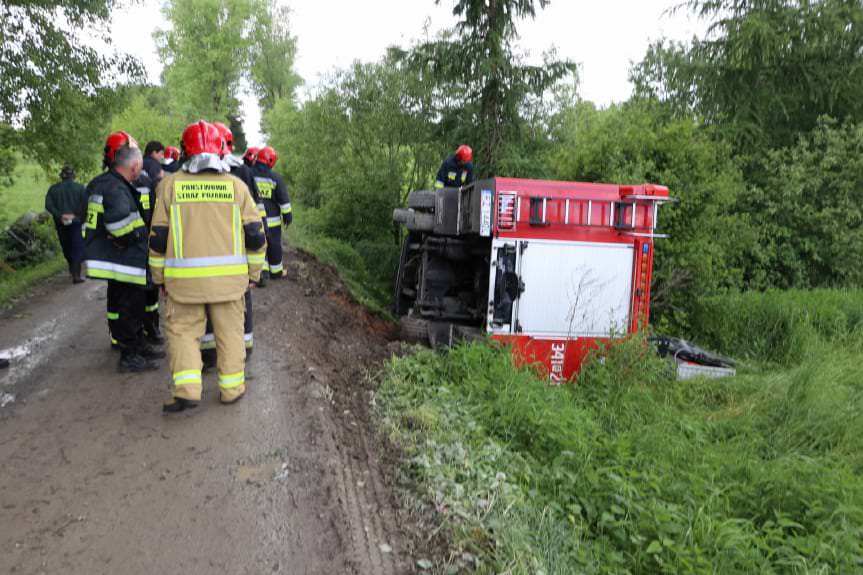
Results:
[206, 51]
[273, 51]
[766, 70]
[149, 116]
[50, 74]
[478, 61]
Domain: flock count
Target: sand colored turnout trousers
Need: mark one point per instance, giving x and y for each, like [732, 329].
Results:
[185, 326]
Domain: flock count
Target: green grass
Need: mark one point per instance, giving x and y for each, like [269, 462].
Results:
[15, 285]
[365, 267]
[26, 194]
[630, 471]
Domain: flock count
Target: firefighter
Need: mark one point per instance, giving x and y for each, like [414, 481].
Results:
[115, 240]
[207, 244]
[250, 156]
[277, 204]
[145, 194]
[154, 153]
[66, 201]
[456, 170]
[241, 171]
[171, 161]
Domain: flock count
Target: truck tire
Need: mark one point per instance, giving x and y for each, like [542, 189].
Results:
[420, 222]
[421, 199]
[414, 329]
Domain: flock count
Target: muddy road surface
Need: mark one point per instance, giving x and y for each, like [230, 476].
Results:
[94, 479]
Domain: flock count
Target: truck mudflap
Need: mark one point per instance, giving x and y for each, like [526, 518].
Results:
[555, 359]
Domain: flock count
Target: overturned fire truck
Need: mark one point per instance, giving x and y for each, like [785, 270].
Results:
[551, 268]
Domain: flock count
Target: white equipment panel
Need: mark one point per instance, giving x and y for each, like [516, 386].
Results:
[575, 289]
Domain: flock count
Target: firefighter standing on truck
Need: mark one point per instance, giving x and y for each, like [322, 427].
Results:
[206, 246]
[456, 170]
[115, 240]
[277, 203]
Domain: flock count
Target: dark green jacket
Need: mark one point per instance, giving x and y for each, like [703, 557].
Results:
[66, 197]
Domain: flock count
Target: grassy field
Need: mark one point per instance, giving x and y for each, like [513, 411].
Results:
[26, 194]
[630, 471]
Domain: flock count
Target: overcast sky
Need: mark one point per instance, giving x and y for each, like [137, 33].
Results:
[603, 37]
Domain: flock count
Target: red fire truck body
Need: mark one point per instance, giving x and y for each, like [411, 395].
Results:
[568, 265]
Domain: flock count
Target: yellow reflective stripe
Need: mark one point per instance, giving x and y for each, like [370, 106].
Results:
[276, 267]
[157, 262]
[207, 272]
[115, 275]
[238, 232]
[151, 308]
[112, 315]
[274, 222]
[128, 228]
[231, 380]
[438, 185]
[177, 227]
[187, 377]
[256, 259]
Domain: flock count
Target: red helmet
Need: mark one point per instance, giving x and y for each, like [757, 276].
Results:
[115, 141]
[464, 154]
[202, 138]
[227, 135]
[250, 155]
[172, 152]
[268, 156]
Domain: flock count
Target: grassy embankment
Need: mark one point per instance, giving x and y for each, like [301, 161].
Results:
[26, 194]
[365, 267]
[630, 471]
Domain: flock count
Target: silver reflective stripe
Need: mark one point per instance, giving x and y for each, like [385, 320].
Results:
[261, 207]
[263, 180]
[145, 191]
[208, 337]
[274, 220]
[204, 262]
[285, 206]
[96, 199]
[124, 222]
[248, 337]
[112, 267]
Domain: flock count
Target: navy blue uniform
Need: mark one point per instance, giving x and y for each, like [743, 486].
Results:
[453, 175]
[277, 204]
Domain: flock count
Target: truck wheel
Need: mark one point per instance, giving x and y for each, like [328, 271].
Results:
[414, 329]
[421, 199]
[420, 222]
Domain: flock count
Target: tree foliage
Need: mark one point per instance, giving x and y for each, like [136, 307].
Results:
[485, 87]
[766, 70]
[206, 52]
[273, 51]
[56, 86]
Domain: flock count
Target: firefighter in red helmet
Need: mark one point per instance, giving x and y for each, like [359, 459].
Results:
[456, 170]
[171, 163]
[241, 171]
[277, 204]
[115, 239]
[250, 156]
[207, 245]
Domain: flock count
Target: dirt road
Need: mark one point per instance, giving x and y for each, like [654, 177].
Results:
[94, 479]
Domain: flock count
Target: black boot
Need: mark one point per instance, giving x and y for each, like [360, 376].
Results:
[75, 270]
[153, 335]
[178, 404]
[131, 362]
[149, 352]
[262, 282]
[4, 363]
